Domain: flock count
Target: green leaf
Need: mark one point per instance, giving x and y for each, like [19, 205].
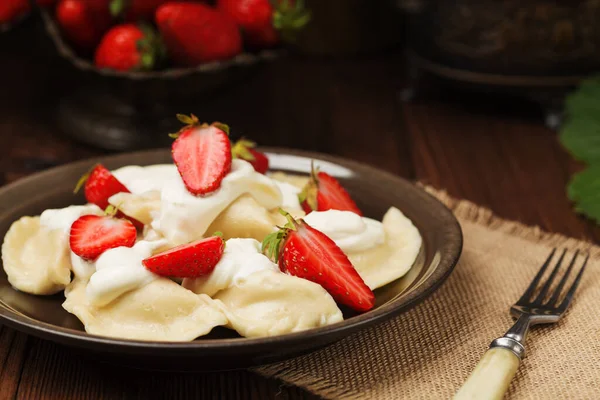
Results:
[584, 191]
[581, 136]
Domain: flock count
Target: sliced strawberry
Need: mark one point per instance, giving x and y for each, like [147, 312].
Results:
[323, 192]
[92, 235]
[189, 260]
[100, 185]
[202, 154]
[245, 149]
[308, 253]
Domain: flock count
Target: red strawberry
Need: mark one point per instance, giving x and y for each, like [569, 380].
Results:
[244, 149]
[135, 10]
[11, 10]
[195, 33]
[128, 47]
[83, 22]
[202, 154]
[262, 23]
[100, 185]
[92, 235]
[308, 253]
[323, 192]
[189, 260]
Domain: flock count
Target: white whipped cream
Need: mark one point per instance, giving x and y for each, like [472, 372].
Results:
[185, 217]
[290, 195]
[241, 258]
[351, 232]
[144, 179]
[63, 218]
[119, 271]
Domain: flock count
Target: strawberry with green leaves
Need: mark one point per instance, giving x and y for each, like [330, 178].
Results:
[202, 154]
[129, 47]
[92, 235]
[265, 22]
[305, 252]
[246, 150]
[190, 260]
[323, 192]
[195, 33]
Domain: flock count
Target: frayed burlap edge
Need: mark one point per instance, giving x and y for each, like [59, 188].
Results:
[465, 211]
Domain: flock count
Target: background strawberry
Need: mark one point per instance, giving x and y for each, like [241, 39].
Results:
[129, 47]
[262, 23]
[303, 251]
[202, 154]
[245, 150]
[11, 10]
[83, 22]
[189, 260]
[323, 192]
[195, 33]
[92, 235]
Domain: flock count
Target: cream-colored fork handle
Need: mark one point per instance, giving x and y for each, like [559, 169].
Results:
[491, 377]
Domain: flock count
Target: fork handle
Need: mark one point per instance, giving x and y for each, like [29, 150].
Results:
[491, 377]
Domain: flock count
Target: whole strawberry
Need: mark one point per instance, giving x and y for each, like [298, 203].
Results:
[245, 150]
[83, 22]
[135, 10]
[202, 154]
[262, 23]
[305, 252]
[11, 10]
[195, 33]
[129, 47]
[323, 192]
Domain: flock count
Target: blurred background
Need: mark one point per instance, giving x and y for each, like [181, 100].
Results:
[447, 92]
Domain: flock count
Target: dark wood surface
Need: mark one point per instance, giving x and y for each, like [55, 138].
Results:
[494, 152]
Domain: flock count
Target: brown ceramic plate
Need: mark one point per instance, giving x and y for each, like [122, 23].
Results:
[374, 190]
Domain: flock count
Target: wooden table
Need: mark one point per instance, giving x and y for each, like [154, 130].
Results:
[484, 150]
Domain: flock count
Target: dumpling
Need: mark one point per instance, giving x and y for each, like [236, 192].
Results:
[269, 303]
[36, 260]
[143, 207]
[161, 310]
[258, 299]
[244, 218]
[381, 252]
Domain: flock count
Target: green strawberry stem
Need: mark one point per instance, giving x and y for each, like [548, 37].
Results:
[289, 17]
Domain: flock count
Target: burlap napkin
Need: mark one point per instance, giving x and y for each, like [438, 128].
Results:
[428, 352]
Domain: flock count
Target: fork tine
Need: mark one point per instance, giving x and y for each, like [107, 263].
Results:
[540, 298]
[529, 292]
[565, 303]
[561, 284]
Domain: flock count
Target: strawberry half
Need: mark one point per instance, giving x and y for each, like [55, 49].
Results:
[189, 260]
[245, 150]
[323, 192]
[305, 252]
[100, 184]
[92, 235]
[202, 154]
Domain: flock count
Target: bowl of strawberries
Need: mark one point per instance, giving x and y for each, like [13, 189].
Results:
[143, 59]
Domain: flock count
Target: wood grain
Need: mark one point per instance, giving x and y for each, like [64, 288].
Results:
[506, 160]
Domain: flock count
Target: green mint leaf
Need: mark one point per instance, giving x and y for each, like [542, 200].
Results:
[584, 191]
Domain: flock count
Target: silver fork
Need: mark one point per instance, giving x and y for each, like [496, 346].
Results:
[493, 374]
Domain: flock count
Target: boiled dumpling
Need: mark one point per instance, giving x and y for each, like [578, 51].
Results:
[143, 207]
[36, 260]
[269, 303]
[161, 310]
[258, 299]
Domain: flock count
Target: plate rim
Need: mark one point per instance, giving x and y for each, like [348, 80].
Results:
[76, 338]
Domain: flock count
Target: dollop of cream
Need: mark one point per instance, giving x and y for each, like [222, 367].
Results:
[290, 195]
[119, 271]
[145, 179]
[351, 232]
[241, 258]
[185, 217]
[63, 218]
